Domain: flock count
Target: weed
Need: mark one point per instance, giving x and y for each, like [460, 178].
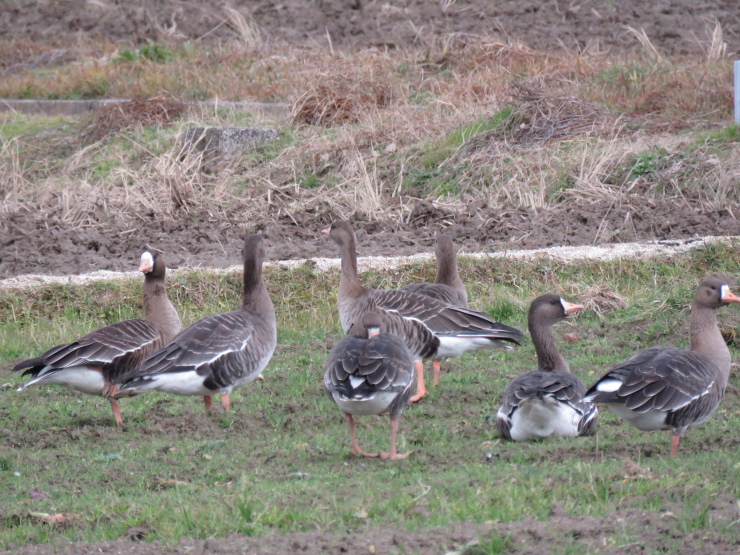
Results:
[151, 51]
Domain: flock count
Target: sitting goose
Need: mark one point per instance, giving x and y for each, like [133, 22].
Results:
[547, 401]
[90, 364]
[219, 352]
[369, 372]
[447, 286]
[664, 388]
[429, 327]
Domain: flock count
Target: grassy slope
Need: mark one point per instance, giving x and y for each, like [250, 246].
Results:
[279, 460]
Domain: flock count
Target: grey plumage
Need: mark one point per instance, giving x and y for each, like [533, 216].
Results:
[114, 349]
[664, 388]
[219, 352]
[91, 363]
[370, 372]
[557, 392]
[447, 286]
[383, 363]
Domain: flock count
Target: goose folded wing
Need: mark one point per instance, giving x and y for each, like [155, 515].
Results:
[563, 387]
[216, 341]
[118, 347]
[658, 378]
[438, 291]
[383, 364]
[442, 318]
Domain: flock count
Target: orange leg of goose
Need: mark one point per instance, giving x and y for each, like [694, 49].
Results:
[356, 448]
[116, 412]
[392, 453]
[208, 402]
[674, 444]
[435, 371]
[225, 402]
[420, 389]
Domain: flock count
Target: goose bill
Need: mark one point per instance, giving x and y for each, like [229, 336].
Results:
[728, 296]
[570, 308]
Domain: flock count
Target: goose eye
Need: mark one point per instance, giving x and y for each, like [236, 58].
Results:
[714, 287]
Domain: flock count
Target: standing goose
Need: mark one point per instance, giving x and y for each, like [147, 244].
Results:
[219, 352]
[447, 286]
[92, 362]
[547, 401]
[429, 327]
[664, 388]
[369, 372]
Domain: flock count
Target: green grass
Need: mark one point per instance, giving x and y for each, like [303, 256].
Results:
[278, 462]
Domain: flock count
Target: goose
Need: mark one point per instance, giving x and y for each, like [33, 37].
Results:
[217, 353]
[447, 286]
[429, 327]
[92, 362]
[665, 388]
[547, 401]
[369, 372]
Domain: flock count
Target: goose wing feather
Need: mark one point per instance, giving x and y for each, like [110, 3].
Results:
[439, 291]
[222, 348]
[443, 319]
[564, 387]
[116, 349]
[382, 363]
[659, 378]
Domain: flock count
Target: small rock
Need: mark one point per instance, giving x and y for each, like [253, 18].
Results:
[223, 144]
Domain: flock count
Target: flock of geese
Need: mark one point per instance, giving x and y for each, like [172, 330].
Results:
[377, 368]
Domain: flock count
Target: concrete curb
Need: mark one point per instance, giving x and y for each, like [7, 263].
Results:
[649, 249]
[81, 107]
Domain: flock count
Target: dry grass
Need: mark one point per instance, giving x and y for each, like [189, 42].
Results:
[544, 115]
[598, 297]
[342, 93]
[367, 121]
[114, 118]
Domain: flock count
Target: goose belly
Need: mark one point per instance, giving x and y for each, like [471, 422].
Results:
[454, 347]
[379, 403]
[645, 421]
[541, 418]
[176, 383]
[80, 378]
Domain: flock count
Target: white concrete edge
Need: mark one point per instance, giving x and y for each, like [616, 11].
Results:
[649, 249]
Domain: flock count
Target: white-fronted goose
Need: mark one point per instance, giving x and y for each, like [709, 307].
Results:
[219, 352]
[447, 286]
[664, 388]
[369, 372]
[429, 327]
[92, 362]
[547, 401]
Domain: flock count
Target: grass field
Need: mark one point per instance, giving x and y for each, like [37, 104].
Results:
[279, 463]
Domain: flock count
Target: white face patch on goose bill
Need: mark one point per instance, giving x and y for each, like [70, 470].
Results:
[147, 262]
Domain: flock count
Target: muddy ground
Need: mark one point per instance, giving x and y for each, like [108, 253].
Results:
[32, 243]
[673, 25]
[651, 531]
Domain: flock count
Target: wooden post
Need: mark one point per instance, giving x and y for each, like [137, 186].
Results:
[736, 67]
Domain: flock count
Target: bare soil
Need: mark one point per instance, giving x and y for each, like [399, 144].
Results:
[650, 531]
[672, 25]
[42, 243]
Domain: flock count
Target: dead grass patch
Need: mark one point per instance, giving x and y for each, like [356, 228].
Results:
[599, 297]
[543, 115]
[331, 100]
[113, 118]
